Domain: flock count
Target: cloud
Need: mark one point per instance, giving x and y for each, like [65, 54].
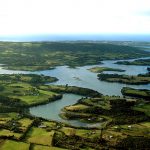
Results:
[74, 16]
[144, 13]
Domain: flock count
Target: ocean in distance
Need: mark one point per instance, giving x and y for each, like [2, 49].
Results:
[76, 37]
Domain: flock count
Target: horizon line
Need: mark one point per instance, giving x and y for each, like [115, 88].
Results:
[75, 37]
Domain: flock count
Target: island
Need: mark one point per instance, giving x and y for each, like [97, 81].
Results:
[127, 79]
[139, 62]
[101, 69]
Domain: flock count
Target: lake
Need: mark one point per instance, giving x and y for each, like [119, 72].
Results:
[53, 109]
[81, 77]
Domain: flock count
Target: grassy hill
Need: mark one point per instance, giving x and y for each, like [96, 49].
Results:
[46, 55]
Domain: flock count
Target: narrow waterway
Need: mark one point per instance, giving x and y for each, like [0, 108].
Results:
[81, 77]
[53, 109]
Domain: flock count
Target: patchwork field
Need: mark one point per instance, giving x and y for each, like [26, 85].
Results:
[14, 145]
[40, 136]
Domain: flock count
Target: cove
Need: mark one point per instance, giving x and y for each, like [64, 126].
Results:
[82, 77]
[52, 110]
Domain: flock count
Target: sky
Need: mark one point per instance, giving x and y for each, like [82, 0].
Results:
[23, 17]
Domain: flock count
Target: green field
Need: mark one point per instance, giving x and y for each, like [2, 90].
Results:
[41, 147]
[14, 128]
[40, 136]
[143, 107]
[26, 78]
[138, 93]
[14, 145]
[28, 95]
[84, 133]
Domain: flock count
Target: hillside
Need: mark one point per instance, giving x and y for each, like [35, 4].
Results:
[46, 55]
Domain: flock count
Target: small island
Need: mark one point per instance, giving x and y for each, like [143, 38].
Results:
[139, 62]
[127, 79]
[101, 69]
